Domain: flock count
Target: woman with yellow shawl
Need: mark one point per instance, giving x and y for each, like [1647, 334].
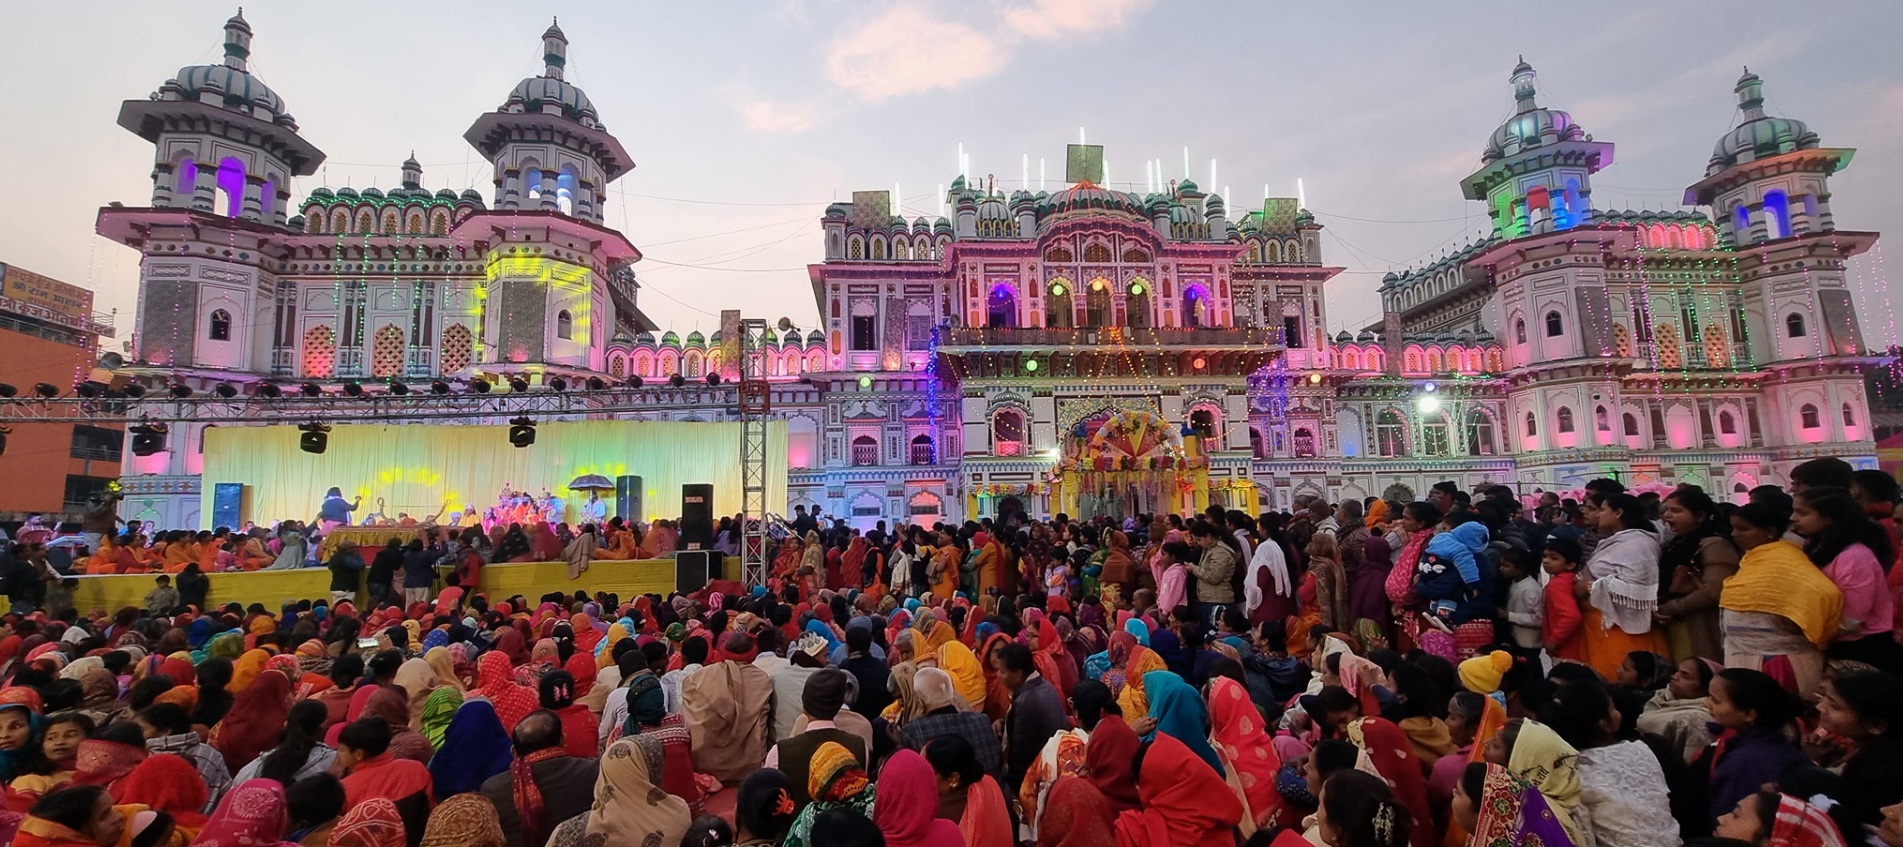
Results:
[1778, 603]
[954, 658]
[630, 807]
[946, 558]
[906, 705]
[246, 669]
[1133, 699]
[1535, 753]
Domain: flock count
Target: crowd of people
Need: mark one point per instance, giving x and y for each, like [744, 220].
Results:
[1622, 671]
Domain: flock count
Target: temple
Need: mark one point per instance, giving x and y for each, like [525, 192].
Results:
[1085, 350]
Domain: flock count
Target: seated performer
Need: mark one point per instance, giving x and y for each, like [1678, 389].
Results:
[335, 511]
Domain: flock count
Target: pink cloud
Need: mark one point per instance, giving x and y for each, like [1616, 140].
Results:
[906, 50]
[779, 118]
[1045, 19]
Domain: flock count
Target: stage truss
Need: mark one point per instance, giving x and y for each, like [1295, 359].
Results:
[540, 403]
[755, 410]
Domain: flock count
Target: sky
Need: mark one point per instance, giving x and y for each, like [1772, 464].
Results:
[745, 119]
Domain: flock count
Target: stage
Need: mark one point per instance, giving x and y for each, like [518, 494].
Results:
[421, 469]
[274, 588]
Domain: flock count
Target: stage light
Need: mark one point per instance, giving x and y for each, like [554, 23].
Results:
[1137, 289]
[1430, 388]
[132, 390]
[314, 437]
[713, 378]
[1428, 403]
[439, 387]
[1031, 365]
[353, 388]
[1197, 363]
[90, 389]
[479, 385]
[558, 384]
[521, 432]
[865, 382]
[1314, 379]
[310, 389]
[595, 384]
[269, 390]
[225, 390]
[398, 388]
[180, 390]
[7, 389]
[677, 380]
[1057, 290]
[149, 438]
[634, 381]
[518, 384]
[46, 390]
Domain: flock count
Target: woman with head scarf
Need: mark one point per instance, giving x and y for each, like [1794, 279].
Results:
[1248, 756]
[1387, 749]
[905, 805]
[246, 668]
[392, 705]
[1184, 802]
[465, 820]
[956, 659]
[438, 710]
[257, 716]
[19, 728]
[1535, 753]
[1508, 811]
[443, 664]
[170, 784]
[630, 806]
[372, 823]
[496, 680]
[475, 747]
[1076, 814]
[254, 814]
[1110, 762]
[1134, 700]
[1177, 710]
[835, 780]
[1367, 589]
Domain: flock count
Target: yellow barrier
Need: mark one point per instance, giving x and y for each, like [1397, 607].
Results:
[274, 588]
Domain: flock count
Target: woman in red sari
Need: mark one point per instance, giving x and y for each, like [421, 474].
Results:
[852, 564]
[170, 784]
[253, 814]
[1391, 753]
[1185, 804]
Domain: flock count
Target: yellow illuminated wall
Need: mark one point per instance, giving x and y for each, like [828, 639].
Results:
[418, 468]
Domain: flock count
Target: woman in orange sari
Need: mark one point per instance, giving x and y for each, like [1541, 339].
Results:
[106, 560]
[208, 550]
[852, 563]
[145, 558]
[945, 560]
[253, 556]
[179, 552]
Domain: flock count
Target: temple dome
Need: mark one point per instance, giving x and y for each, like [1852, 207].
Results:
[1087, 196]
[230, 84]
[1760, 136]
[1532, 126]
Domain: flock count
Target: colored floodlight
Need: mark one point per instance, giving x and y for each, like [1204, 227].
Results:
[558, 384]
[314, 437]
[353, 388]
[7, 389]
[439, 387]
[479, 385]
[677, 380]
[181, 391]
[595, 384]
[518, 384]
[398, 388]
[269, 390]
[225, 390]
[713, 378]
[634, 381]
[310, 389]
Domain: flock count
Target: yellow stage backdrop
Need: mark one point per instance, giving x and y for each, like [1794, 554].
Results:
[418, 468]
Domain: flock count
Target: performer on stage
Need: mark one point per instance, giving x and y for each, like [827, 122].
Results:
[335, 511]
[594, 511]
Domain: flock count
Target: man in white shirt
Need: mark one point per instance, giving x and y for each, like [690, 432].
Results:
[594, 511]
[693, 658]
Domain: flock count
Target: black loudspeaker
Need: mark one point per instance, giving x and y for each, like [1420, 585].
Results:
[693, 569]
[697, 516]
[628, 498]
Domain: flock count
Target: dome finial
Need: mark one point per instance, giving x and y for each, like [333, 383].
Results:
[237, 41]
[1524, 81]
[1750, 91]
[554, 50]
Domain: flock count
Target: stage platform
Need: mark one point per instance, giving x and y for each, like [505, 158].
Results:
[274, 588]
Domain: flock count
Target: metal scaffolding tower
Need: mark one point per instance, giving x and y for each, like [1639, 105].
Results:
[755, 411]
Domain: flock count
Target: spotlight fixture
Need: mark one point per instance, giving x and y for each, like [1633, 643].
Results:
[439, 387]
[180, 390]
[225, 390]
[595, 384]
[521, 431]
[677, 380]
[398, 388]
[634, 381]
[518, 384]
[269, 390]
[479, 385]
[46, 390]
[310, 389]
[713, 377]
[8, 389]
[132, 390]
[314, 437]
[353, 388]
[89, 389]
[558, 384]
[149, 438]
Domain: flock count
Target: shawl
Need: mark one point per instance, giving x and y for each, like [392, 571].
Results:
[1512, 813]
[987, 821]
[1053, 661]
[630, 807]
[835, 781]
[728, 706]
[512, 645]
[647, 702]
[905, 805]
[1184, 803]
[529, 805]
[419, 679]
[438, 710]
[246, 668]
[1777, 578]
[968, 676]
[393, 707]
[167, 783]
[1493, 718]
[495, 679]
[1542, 758]
[1387, 750]
[1076, 815]
[475, 747]
[1110, 759]
[465, 820]
[253, 815]
[1367, 591]
[257, 716]
[1269, 558]
[1134, 699]
[604, 651]
[1180, 712]
[373, 823]
[103, 763]
[1800, 824]
[440, 661]
[1248, 754]
[587, 637]
[1400, 582]
[1625, 573]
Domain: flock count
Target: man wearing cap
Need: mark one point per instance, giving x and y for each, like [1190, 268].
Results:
[947, 714]
[822, 701]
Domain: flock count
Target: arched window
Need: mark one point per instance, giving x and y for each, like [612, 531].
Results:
[1097, 304]
[1001, 309]
[1555, 327]
[1563, 420]
[221, 325]
[319, 351]
[532, 178]
[855, 248]
[1007, 432]
[1388, 430]
[1519, 330]
[1727, 423]
[1532, 426]
[1808, 417]
[922, 453]
[1850, 417]
[564, 324]
[1794, 325]
[1255, 443]
[202, 432]
[1195, 306]
[1479, 434]
[1202, 422]
[565, 191]
[1777, 214]
[230, 191]
[1136, 303]
[458, 347]
[1631, 422]
[1057, 305]
[1601, 420]
[187, 172]
[1435, 438]
[1304, 443]
[865, 451]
